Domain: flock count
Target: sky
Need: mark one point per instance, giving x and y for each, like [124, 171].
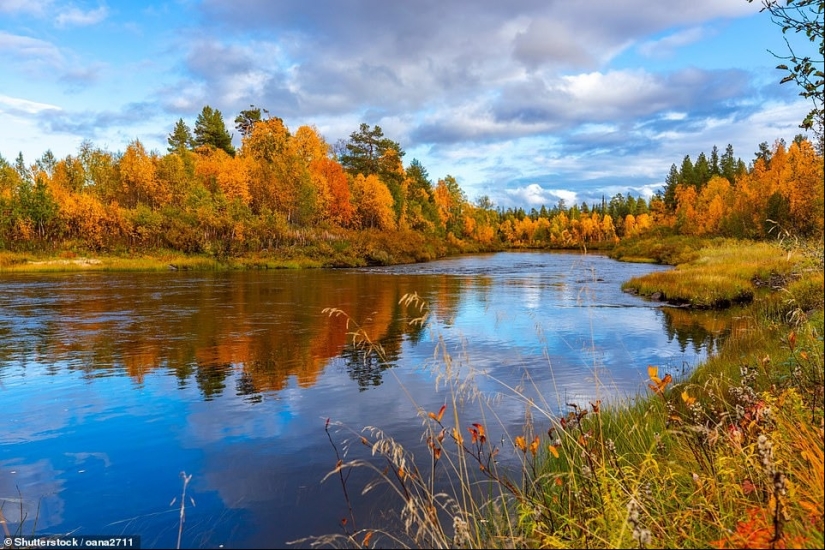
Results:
[525, 102]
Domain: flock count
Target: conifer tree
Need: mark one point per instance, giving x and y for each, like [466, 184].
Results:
[210, 130]
[181, 137]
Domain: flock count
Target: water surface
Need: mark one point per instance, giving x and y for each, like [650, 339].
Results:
[112, 384]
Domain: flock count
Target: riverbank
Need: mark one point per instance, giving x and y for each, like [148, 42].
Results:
[354, 249]
[730, 456]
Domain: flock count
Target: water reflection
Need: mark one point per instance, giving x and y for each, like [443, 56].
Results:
[270, 327]
[120, 381]
[703, 330]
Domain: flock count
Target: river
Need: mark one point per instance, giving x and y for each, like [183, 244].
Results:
[113, 384]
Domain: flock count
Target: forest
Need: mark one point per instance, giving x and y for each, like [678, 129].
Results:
[356, 203]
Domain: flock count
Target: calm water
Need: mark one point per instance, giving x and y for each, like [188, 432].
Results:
[112, 384]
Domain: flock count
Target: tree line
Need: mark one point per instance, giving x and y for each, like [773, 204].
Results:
[285, 188]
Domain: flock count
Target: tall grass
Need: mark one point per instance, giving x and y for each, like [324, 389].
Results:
[8, 531]
[730, 457]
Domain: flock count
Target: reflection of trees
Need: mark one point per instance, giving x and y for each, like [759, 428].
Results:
[699, 328]
[264, 329]
[245, 387]
[366, 365]
[376, 346]
[211, 379]
[183, 371]
[448, 297]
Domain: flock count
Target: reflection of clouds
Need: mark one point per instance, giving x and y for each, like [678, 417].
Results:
[34, 487]
[228, 417]
[81, 458]
[46, 405]
[274, 468]
[531, 294]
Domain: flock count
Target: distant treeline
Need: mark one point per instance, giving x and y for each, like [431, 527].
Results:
[288, 188]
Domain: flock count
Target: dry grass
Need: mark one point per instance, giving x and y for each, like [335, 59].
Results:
[724, 274]
[729, 458]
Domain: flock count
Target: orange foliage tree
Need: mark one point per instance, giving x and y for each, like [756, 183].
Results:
[220, 172]
[138, 175]
[339, 208]
[374, 202]
[802, 179]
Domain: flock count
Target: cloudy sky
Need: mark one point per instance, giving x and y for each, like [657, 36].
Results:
[526, 102]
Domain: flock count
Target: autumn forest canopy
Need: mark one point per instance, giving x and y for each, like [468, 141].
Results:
[285, 188]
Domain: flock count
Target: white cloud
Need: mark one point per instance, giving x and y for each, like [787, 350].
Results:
[75, 17]
[612, 91]
[665, 47]
[534, 195]
[548, 41]
[29, 48]
[16, 105]
[32, 7]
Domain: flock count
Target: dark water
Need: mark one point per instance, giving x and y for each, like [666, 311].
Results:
[112, 384]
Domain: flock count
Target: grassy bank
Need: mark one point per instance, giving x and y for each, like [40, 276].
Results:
[730, 457]
[727, 272]
[310, 249]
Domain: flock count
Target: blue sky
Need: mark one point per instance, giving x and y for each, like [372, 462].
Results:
[526, 102]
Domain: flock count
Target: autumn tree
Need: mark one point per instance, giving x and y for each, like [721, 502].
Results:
[268, 148]
[8, 179]
[26, 203]
[84, 217]
[69, 174]
[339, 209]
[608, 229]
[279, 178]
[101, 172]
[712, 205]
[450, 201]
[221, 173]
[802, 181]
[374, 202]
[176, 171]
[139, 179]
[686, 216]
[309, 145]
